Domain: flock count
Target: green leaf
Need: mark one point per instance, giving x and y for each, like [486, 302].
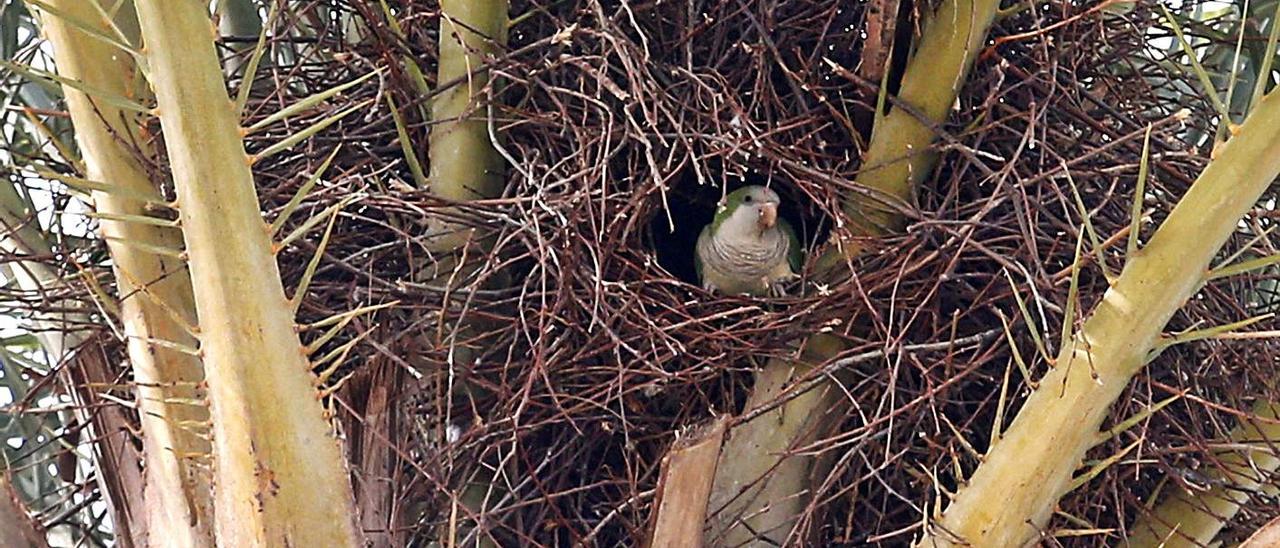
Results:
[309, 102]
[313, 129]
[118, 101]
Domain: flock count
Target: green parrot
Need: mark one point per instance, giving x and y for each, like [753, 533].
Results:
[747, 249]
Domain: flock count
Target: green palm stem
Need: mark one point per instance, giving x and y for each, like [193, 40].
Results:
[465, 165]
[761, 490]
[279, 473]
[156, 304]
[1186, 519]
[1011, 495]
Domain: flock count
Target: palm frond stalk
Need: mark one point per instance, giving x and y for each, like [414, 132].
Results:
[1012, 493]
[1193, 518]
[156, 305]
[279, 474]
[464, 161]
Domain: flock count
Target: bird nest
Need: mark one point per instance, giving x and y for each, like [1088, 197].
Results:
[552, 369]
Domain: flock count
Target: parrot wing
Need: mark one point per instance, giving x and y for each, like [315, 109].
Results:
[795, 253]
[697, 256]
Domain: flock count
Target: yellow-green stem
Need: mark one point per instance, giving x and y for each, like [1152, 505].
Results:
[152, 288]
[279, 475]
[464, 163]
[1188, 519]
[899, 157]
[1012, 494]
[760, 490]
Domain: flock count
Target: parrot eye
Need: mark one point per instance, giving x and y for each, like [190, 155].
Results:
[747, 199]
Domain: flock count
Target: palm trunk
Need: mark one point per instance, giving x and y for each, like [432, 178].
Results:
[280, 477]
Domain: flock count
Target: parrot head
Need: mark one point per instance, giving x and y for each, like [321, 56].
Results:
[750, 208]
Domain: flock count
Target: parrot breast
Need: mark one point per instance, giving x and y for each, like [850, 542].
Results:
[738, 262]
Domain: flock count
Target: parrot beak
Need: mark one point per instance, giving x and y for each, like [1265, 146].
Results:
[768, 216]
